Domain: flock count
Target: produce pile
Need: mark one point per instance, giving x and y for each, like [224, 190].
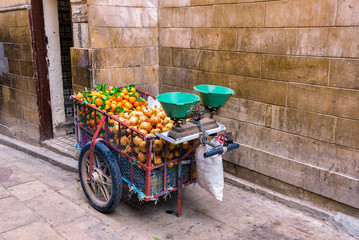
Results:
[131, 109]
[113, 100]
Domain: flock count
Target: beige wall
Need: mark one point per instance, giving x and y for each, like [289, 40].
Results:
[18, 100]
[294, 67]
[13, 3]
[122, 42]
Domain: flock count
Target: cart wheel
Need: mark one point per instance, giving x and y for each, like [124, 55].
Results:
[105, 190]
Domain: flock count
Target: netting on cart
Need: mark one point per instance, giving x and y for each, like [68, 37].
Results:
[157, 176]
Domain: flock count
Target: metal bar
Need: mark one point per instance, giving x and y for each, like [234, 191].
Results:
[76, 121]
[119, 143]
[92, 147]
[191, 167]
[132, 157]
[37, 27]
[179, 181]
[148, 170]
[165, 173]
[106, 131]
[85, 121]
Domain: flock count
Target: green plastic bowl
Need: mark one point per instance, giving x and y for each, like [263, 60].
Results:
[177, 104]
[213, 96]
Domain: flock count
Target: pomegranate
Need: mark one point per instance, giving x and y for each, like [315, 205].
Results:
[154, 120]
[146, 126]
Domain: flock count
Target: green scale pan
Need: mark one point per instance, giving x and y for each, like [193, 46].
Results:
[177, 104]
[213, 96]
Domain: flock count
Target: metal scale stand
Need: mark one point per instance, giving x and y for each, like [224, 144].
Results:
[199, 127]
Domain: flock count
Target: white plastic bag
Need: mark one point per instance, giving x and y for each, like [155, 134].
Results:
[210, 172]
[152, 102]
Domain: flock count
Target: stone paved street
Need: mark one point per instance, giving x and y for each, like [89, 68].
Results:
[41, 201]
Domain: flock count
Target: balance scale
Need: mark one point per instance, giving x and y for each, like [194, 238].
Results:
[190, 122]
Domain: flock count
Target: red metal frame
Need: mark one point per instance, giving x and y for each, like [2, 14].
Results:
[92, 147]
[147, 166]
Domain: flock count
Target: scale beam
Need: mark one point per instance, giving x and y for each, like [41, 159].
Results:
[165, 136]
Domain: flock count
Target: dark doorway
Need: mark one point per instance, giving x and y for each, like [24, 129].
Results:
[64, 13]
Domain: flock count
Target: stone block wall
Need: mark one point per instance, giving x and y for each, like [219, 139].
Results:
[12, 3]
[122, 41]
[80, 52]
[81, 69]
[294, 68]
[18, 99]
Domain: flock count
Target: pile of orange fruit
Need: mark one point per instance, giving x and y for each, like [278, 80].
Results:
[132, 110]
[113, 100]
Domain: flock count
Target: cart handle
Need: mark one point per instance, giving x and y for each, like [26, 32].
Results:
[221, 150]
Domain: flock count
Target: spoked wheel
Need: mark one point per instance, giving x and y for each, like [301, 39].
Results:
[105, 188]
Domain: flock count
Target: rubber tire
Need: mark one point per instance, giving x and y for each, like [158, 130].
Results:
[115, 172]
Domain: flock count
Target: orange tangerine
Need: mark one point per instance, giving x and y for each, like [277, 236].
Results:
[136, 104]
[132, 100]
[98, 102]
[80, 95]
[113, 107]
[128, 105]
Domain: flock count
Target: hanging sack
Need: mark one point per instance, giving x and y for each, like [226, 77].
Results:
[210, 171]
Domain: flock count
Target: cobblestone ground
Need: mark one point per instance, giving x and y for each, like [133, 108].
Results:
[41, 201]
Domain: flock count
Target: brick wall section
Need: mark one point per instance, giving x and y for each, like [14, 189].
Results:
[294, 67]
[122, 43]
[18, 100]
